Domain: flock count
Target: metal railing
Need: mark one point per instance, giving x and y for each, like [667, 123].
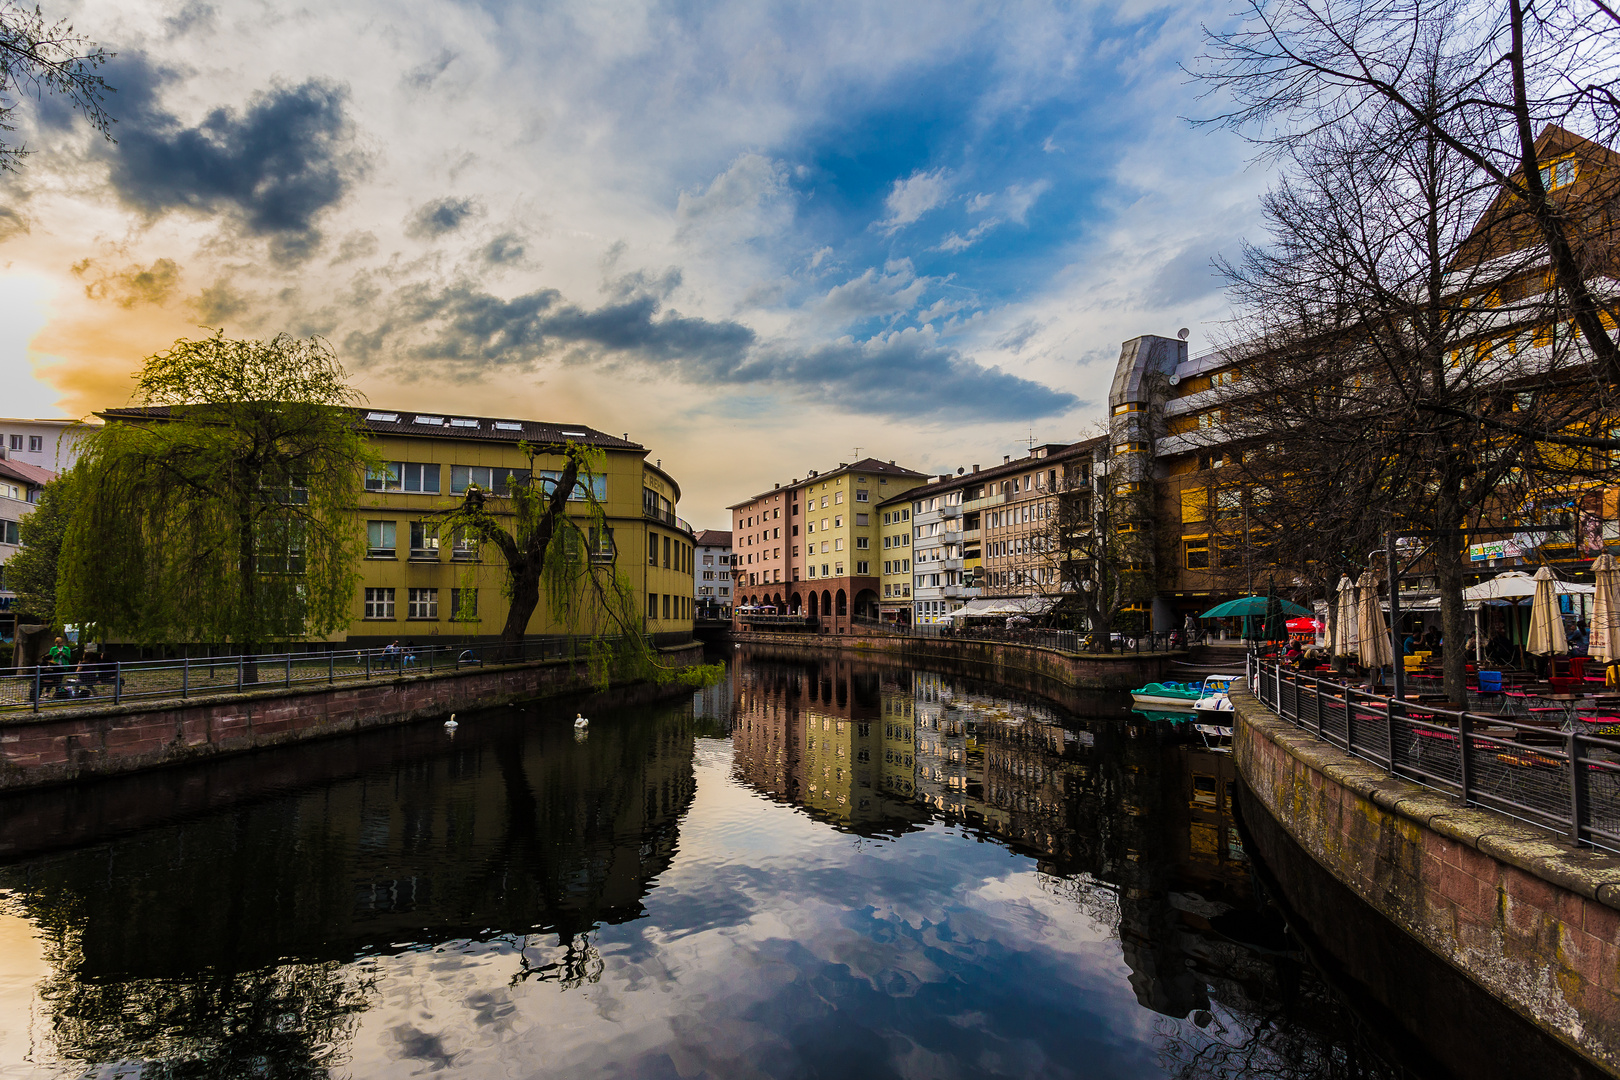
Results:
[116, 681]
[1561, 774]
[1073, 641]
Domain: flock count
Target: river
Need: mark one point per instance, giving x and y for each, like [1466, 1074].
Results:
[810, 870]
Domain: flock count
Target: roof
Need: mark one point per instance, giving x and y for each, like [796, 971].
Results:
[443, 425]
[865, 465]
[1010, 468]
[714, 538]
[28, 474]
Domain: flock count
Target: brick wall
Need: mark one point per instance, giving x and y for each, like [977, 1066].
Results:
[64, 745]
[1526, 916]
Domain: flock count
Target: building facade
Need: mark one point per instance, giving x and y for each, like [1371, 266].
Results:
[20, 487]
[762, 530]
[712, 579]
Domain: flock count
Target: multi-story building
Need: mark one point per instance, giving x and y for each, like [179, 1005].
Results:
[839, 572]
[895, 604]
[20, 487]
[46, 444]
[761, 532]
[712, 577]
[418, 585]
[812, 548]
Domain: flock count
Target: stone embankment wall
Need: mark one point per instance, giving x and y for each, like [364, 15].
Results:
[62, 745]
[1528, 917]
[1005, 662]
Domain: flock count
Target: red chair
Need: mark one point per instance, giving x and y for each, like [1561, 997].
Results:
[1577, 667]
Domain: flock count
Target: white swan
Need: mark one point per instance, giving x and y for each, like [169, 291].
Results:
[450, 724]
[580, 723]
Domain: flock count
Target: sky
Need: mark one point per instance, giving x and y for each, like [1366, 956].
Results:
[755, 236]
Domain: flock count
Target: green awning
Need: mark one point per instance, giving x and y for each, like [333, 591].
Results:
[1250, 605]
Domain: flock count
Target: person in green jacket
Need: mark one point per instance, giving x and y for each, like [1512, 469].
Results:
[58, 659]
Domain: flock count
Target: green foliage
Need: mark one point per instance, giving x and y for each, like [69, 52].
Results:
[697, 676]
[552, 542]
[31, 573]
[225, 511]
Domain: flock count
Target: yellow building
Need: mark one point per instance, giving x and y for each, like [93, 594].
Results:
[895, 526]
[418, 585]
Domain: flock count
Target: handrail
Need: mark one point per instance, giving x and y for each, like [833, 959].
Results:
[1561, 779]
[117, 681]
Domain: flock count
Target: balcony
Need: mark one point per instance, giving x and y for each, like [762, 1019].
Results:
[957, 592]
[989, 500]
[950, 536]
[950, 564]
[949, 512]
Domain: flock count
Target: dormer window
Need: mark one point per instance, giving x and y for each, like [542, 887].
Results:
[1557, 174]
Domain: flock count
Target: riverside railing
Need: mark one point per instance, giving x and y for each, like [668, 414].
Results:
[1552, 768]
[1063, 640]
[117, 681]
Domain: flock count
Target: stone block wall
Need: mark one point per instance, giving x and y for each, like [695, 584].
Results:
[62, 745]
[1531, 919]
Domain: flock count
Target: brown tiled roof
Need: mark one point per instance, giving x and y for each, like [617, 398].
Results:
[714, 538]
[1056, 452]
[442, 425]
[28, 474]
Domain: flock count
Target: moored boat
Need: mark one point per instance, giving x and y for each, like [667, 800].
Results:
[1176, 696]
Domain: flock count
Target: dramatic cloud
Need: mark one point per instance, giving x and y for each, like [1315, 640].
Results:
[742, 202]
[874, 295]
[913, 197]
[440, 217]
[131, 285]
[277, 164]
[904, 373]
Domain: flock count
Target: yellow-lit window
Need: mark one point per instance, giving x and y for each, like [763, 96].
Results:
[1194, 504]
[1557, 174]
[1196, 552]
[1128, 407]
[1131, 448]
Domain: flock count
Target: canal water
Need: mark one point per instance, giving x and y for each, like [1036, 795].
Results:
[811, 870]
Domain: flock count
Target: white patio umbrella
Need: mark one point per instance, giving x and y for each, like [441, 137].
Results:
[1605, 641]
[1372, 634]
[1546, 621]
[1344, 620]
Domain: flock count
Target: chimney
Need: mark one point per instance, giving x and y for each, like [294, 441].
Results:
[775, 486]
[975, 468]
[843, 464]
[1006, 458]
[891, 461]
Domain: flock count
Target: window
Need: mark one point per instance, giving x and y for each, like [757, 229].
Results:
[652, 605]
[1558, 174]
[905, 515]
[384, 478]
[666, 605]
[507, 425]
[1197, 553]
[824, 570]
[9, 533]
[496, 480]
[824, 502]
[666, 561]
[597, 486]
[379, 603]
[423, 478]
[461, 423]
[863, 542]
[463, 605]
[380, 539]
[463, 548]
[424, 540]
[600, 540]
[423, 604]
[838, 522]
[652, 549]
[863, 568]
[838, 544]
[838, 498]
[16, 442]
[36, 444]
[861, 496]
[384, 417]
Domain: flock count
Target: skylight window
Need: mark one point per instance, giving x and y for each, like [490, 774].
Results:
[508, 425]
[385, 417]
[436, 421]
[458, 422]
[576, 434]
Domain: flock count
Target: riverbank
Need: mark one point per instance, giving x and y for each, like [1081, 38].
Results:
[1532, 920]
[1006, 662]
[64, 745]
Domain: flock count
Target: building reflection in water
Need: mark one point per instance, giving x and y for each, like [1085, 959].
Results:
[1133, 820]
[511, 834]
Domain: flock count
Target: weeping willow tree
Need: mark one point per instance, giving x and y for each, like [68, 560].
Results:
[552, 533]
[220, 507]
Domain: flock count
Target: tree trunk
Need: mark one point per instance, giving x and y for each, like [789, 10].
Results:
[1448, 567]
[525, 599]
[249, 571]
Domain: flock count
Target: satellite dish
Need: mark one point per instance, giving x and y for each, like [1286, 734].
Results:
[1175, 380]
[1182, 333]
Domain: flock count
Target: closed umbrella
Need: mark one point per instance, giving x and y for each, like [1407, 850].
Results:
[1372, 644]
[1605, 642]
[1344, 623]
[1546, 636]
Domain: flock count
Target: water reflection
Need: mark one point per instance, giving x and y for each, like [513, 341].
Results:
[879, 873]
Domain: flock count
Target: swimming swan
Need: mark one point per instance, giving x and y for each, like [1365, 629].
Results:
[450, 724]
[580, 723]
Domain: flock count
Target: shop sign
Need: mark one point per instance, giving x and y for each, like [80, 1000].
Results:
[1495, 549]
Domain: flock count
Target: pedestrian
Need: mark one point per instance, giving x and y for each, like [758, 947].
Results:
[58, 659]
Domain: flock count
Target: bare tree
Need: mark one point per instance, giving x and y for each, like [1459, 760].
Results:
[38, 58]
[1404, 352]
